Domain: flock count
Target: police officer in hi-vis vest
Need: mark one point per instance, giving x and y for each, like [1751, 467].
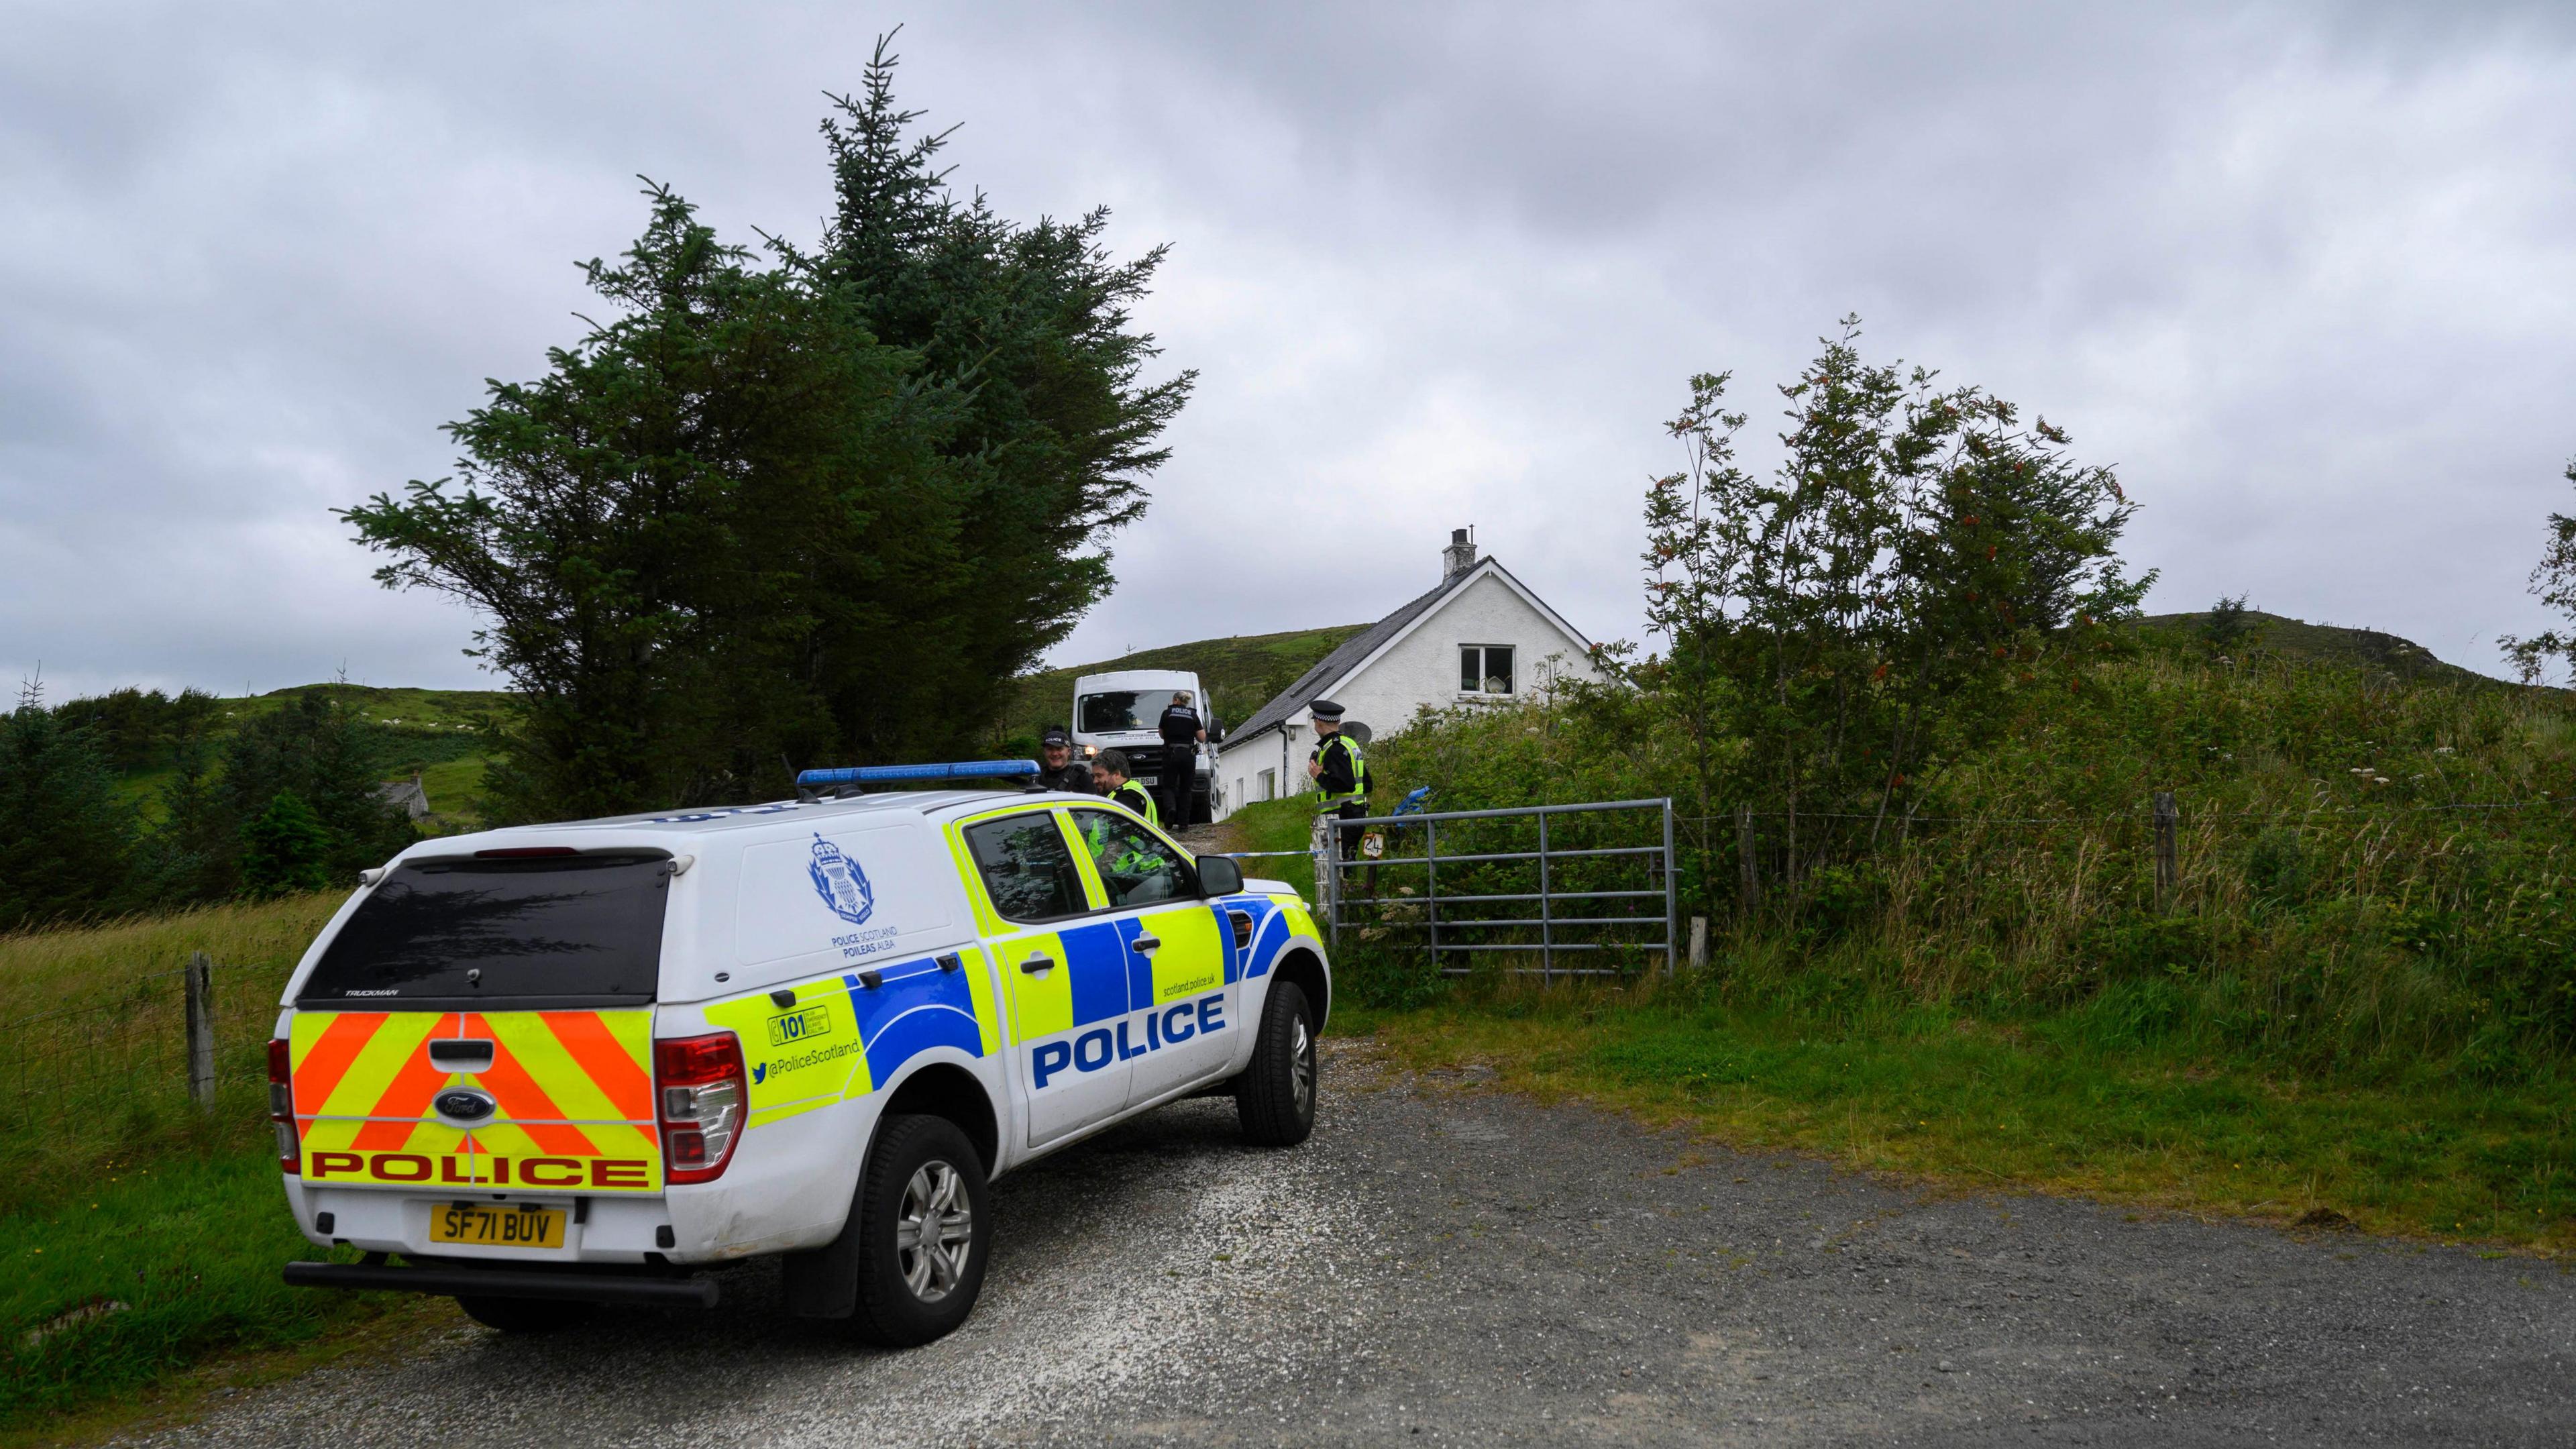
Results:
[1109, 777]
[1109, 772]
[1339, 773]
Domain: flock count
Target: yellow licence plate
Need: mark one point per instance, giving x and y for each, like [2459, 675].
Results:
[497, 1227]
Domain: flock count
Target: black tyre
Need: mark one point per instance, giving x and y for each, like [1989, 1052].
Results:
[525, 1315]
[1275, 1096]
[925, 1229]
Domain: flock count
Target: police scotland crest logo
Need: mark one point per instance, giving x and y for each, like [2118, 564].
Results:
[839, 881]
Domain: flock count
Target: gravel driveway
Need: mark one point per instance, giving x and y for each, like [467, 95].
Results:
[1443, 1265]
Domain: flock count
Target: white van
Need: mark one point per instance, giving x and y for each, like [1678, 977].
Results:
[557, 1066]
[1122, 710]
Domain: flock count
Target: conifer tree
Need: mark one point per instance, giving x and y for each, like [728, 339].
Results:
[284, 848]
[820, 507]
[64, 834]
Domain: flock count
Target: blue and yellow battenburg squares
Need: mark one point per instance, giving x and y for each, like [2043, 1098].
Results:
[839, 1038]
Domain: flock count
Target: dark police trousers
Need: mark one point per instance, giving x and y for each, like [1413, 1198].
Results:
[1351, 810]
[1180, 731]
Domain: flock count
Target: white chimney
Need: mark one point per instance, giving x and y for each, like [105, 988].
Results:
[1460, 555]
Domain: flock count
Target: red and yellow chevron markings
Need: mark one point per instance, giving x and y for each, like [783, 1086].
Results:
[572, 1094]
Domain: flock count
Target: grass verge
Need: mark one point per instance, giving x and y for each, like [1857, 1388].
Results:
[142, 1235]
[136, 1277]
[2040, 1105]
[180, 1397]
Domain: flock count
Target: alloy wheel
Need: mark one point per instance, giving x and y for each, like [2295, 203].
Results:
[934, 1232]
[1301, 1070]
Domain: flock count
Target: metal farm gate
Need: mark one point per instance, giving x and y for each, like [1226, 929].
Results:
[1513, 884]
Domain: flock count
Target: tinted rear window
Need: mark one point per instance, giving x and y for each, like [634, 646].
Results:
[564, 930]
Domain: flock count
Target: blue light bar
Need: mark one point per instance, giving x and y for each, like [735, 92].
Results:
[889, 774]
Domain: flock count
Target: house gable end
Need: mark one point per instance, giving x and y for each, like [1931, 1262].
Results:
[1486, 568]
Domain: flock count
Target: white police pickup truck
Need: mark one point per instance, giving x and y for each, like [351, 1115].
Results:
[557, 1066]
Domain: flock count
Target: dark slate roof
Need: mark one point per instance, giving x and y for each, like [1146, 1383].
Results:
[1340, 662]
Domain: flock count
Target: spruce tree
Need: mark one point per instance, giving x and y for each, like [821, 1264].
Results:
[284, 848]
[318, 750]
[64, 834]
[819, 507]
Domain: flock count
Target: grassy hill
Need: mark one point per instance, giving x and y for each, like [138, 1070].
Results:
[432, 732]
[1241, 673]
[2300, 642]
[424, 709]
[429, 732]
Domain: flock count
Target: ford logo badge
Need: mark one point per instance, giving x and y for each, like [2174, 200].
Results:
[464, 1104]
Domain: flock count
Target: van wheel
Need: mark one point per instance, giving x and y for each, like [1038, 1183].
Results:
[925, 1229]
[525, 1315]
[1275, 1096]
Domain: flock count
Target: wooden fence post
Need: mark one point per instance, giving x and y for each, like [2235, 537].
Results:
[1699, 943]
[201, 1030]
[1748, 886]
[2168, 864]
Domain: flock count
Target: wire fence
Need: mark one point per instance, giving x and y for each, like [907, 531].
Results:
[192, 1038]
[2168, 852]
[2137, 815]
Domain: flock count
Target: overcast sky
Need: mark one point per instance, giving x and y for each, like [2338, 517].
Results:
[2305, 275]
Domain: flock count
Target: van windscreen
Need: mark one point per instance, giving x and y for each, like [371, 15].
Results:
[1102, 714]
[528, 934]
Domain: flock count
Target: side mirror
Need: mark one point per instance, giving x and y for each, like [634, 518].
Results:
[1216, 733]
[1219, 876]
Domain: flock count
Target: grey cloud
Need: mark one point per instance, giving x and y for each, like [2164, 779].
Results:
[2305, 273]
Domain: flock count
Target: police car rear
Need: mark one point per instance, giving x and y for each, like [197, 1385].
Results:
[467, 1076]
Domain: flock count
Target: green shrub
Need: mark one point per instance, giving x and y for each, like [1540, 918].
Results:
[285, 849]
[2146, 947]
[2276, 865]
[2338, 910]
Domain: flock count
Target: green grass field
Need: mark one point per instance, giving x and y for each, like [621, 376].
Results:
[143, 1235]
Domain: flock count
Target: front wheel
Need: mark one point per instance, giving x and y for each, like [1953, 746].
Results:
[925, 1229]
[1275, 1096]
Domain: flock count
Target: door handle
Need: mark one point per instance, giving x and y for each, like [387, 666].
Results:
[1146, 945]
[464, 1055]
[1038, 965]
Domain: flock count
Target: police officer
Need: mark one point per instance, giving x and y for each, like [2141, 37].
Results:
[1109, 777]
[1182, 733]
[1131, 863]
[1339, 772]
[1056, 767]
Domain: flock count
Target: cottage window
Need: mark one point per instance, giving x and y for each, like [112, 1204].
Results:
[1485, 669]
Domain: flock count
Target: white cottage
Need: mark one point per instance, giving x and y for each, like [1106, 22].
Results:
[1479, 636]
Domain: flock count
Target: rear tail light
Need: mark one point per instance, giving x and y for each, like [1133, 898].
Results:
[281, 1107]
[703, 1093]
